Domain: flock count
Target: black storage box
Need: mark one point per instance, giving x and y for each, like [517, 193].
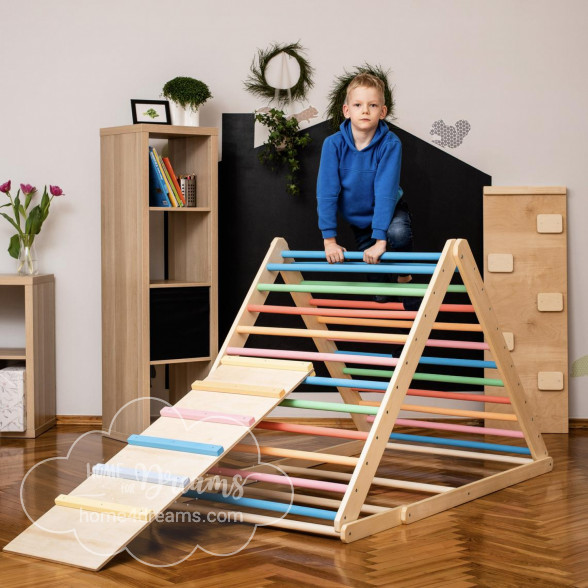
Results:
[180, 323]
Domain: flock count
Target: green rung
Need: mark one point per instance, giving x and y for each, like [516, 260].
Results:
[429, 377]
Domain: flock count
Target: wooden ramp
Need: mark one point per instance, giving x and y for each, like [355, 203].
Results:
[89, 539]
[454, 319]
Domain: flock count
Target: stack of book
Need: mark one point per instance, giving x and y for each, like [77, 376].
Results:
[164, 187]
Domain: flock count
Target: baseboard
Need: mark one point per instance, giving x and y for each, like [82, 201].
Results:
[96, 421]
[76, 419]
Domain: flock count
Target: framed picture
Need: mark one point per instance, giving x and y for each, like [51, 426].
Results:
[154, 112]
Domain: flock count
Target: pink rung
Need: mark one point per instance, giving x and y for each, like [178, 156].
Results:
[206, 415]
[383, 305]
[339, 312]
[445, 343]
[457, 428]
[284, 480]
[362, 435]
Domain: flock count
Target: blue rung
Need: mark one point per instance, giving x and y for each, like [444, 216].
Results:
[140, 475]
[175, 445]
[366, 268]
[294, 509]
[346, 383]
[459, 443]
[358, 255]
[447, 361]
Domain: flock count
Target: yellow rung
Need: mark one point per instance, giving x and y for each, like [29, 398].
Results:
[272, 364]
[91, 504]
[238, 388]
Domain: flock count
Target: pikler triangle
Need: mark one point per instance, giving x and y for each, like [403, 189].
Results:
[247, 383]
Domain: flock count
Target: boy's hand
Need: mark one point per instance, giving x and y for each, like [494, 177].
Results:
[373, 253]
[334, 251]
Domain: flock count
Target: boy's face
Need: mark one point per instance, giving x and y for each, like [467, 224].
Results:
[365, 107]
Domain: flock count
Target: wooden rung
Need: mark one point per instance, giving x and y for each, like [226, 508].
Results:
[400, 324]
[140, 475]
[238, 388]
[112, 508]
[272, 364]
[315, 333]
[255, 519]
[475, 414]
[175, 445]
[298, 454]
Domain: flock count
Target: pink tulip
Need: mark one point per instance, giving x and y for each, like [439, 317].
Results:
[55, 190]
[5, 187]
[27, 189]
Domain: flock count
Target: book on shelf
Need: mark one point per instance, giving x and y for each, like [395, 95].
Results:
[174, 180]
[157, 188]
[188, 187]
[162, 171]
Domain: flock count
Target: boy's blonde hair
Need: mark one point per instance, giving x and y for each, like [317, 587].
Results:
[366, 80]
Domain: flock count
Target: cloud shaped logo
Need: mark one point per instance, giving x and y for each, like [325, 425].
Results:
[198, 519]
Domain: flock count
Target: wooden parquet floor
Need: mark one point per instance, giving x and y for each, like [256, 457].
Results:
[532, 534]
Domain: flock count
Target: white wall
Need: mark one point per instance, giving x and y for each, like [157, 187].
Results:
[515, 69]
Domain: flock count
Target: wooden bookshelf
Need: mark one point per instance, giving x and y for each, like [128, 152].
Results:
[134, 297]
[38, 354]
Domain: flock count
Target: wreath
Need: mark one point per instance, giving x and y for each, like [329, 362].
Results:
[339, 92]
[257, 85]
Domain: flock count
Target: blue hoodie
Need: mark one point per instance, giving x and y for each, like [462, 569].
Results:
[362, 185]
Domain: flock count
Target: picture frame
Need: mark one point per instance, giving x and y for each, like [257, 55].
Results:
[153, 112]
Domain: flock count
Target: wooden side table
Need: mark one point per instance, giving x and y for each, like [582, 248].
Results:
[38, 353]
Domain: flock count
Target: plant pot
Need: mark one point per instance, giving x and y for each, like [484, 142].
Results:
[184, 116]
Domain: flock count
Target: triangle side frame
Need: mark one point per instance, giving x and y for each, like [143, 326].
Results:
[253, 296]
[390, 406]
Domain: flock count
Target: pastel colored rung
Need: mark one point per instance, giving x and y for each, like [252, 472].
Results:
[238, 388]
[342, 289]
[460, 443]
[293, 509]
[356, 336]
[140, 475]
[112, 508]
[402, 324]
[298, 454]
[175, 445]
[369, 304]
[366, 268]
[429, 377]
[405, 289]
[191, 414]
[281, 480]
[358, 255]
[355, 357]
[271, 364]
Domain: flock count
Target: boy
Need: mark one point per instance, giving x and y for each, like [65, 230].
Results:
[359, 177]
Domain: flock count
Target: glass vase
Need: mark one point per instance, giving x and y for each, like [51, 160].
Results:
[27, 264]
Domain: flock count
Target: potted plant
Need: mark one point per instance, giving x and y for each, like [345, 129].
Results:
[186, 95]
[283, 144]
[27, 223]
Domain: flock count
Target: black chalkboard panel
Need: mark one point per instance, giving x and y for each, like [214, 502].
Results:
[444, 195]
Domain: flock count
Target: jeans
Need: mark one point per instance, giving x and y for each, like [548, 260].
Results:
[398, 237]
